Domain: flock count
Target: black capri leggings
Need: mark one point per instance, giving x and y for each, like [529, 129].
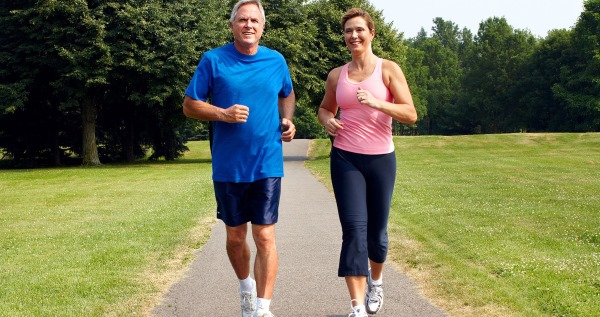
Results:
[363, 187]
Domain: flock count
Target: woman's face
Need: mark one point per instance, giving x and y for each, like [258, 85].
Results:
[357, 35]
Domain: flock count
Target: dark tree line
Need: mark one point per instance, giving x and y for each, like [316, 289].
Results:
[506, 80]
[99, 80]
[103, 81]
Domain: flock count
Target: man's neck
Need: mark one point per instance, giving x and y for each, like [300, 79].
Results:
[246, 50]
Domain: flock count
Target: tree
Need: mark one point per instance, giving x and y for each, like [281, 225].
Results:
[65, 57]
[579, 88]
[155, 46]
[120, 66]
[291, 32]
[76, 31]
[441, 57]
[495, 65]
[542, 110]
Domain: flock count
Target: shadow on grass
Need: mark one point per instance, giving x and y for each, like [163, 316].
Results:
[318, 158]
[177, 161]
[8, 165]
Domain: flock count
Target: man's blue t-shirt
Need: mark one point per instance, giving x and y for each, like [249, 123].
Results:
[244, 152]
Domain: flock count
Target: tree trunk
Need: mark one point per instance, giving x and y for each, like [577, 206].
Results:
[88, 116]
[130, 143]
[55, 150]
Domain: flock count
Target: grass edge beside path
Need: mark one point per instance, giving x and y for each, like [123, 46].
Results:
[102, 241]
[496, 225]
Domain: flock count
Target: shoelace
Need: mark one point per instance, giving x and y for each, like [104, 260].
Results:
[356, 313]
[375, 294]
[247, 299]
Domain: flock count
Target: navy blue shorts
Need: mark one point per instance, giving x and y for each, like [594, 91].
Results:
[257, 202]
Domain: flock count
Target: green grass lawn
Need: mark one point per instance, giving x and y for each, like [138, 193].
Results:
[488, 225]
[103, 241]
[497, 225]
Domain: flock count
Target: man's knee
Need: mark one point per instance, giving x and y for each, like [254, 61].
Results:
[236, 236]
[264, 236]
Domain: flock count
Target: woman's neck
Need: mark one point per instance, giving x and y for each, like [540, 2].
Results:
[364, 61]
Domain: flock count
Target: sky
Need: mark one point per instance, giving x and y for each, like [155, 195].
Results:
[537, 16]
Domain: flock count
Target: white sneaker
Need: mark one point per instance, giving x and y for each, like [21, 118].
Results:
[374, 299]
[263, 313]
[358, 313]
[248, 302]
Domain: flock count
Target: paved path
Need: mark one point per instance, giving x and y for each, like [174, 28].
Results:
[308, 239]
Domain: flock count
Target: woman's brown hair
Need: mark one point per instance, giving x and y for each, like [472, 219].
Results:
[358, 12]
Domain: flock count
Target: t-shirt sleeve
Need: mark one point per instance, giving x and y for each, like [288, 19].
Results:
[200, 84]
[287, 86]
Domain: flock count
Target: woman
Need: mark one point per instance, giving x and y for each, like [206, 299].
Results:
[370, 92]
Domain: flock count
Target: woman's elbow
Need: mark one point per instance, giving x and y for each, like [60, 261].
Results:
[412, 118]
[409, 116]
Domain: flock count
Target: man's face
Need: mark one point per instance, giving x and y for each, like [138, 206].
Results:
[247, 26]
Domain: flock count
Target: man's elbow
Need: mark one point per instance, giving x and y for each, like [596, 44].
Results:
[187, 109]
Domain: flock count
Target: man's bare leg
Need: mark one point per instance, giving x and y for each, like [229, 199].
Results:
[266, 262]
[238, 250]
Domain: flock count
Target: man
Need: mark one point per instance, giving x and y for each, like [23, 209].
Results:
[246, 91]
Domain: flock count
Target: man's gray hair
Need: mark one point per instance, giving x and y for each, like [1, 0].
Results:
[242, 2]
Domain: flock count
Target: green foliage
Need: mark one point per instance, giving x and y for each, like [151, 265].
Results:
[56, 59]
[90, 81]
[505, 80]
[495, 66]
[542, 109]
[579, 88]
[442, 77]
[291, 33]
[118, 69]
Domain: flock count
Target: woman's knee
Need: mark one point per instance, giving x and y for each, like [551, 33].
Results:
[378, 248]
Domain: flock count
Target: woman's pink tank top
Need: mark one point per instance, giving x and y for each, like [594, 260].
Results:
[366, 130]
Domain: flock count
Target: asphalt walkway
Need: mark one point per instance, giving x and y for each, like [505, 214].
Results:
[308, 237]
